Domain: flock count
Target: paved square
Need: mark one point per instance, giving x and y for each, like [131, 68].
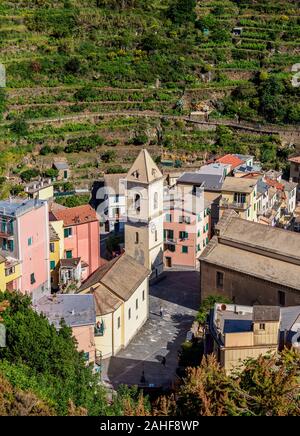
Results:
[178, 294]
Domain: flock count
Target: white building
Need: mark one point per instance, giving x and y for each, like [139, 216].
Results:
[115, 202]
[121, 293]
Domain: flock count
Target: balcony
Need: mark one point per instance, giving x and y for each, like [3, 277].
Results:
[12, 270]
[226, 204]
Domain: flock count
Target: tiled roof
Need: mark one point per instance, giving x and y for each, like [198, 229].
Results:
[266, 313]
[52, 233]
[295, 159]
[61, 165]
[210, 182]
[70, 263]
[75, 215]
[114, 182]
[274, 184]
[238, 184]
[144, 169]
[231, 160]
[121, 276]
[76, 310]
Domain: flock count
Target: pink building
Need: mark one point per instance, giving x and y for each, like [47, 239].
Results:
[81, 236]
[78, 312]
[187, 228]
[24, 242]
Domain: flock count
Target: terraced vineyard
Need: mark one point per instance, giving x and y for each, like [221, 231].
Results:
[128, 65]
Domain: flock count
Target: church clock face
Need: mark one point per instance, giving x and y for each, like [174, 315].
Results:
[153, 228]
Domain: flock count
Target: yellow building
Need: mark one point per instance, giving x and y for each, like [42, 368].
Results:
[240, 194]
[40, 189]
[242, 332]
[10, 272]
[121, 294]
[2, 274]
[56, 250]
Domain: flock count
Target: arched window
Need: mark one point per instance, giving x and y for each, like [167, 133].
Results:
[137, 238]
[137, 203]
[155, 200]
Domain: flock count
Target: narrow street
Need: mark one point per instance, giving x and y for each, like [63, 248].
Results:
[178, 295]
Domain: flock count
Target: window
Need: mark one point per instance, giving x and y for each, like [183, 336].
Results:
[143, 296]
[32, 278]
[185, 249]
[169, 234]
[117, 198]
[119, 322]
[137, 203]
[183, 235]
[220, 280]
[262, 326]
[69, 254]
[155, 203]
[29, 241]
[281, 298]
[86, 356]
[207, 241]
[137, 238]
[180, 219]
[129, 313]
[199, 233]
[52, 247]
[170, 247]
[11, 245]
[155, 235]
[168, 218]
[198, 247]
[136, 304]
[4, 244]
[199, 217]
[206, 228]
[10, 271]
[52, 265]
[68, 232]
[239, 198]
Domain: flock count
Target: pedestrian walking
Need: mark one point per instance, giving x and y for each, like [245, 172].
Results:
[161, 312]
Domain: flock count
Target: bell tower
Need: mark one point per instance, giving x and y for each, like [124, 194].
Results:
[144, 200]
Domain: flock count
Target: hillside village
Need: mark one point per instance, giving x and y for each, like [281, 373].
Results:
[150, 208]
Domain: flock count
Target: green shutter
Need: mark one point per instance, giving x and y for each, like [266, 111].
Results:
[52, 265]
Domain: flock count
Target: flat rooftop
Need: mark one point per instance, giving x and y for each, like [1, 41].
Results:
[14, 208]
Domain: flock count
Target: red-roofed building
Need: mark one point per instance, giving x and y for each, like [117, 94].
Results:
[277, 185]
[232, 160]
[81, 234]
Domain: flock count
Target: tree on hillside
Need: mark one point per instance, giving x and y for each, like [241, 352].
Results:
[182, 11]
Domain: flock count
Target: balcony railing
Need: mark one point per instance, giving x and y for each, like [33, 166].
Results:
[234, 205]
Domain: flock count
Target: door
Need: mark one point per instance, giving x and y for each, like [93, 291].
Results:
[169, 262]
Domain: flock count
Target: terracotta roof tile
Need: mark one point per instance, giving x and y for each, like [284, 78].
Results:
[75, 215]
[274, 184]
[231, 160]
[295, 159]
